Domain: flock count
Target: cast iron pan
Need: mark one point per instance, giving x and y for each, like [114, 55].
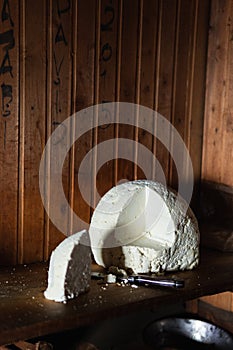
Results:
[186, 333]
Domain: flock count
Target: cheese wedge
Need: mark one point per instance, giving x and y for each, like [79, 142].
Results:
[141, 226]
[69, 268]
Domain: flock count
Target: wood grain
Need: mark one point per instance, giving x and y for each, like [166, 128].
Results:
[85, 97]
[146, 77]
[9, 131]
[25, 313]
[192, 306]
[217, 141]
[216, 315]
[130, 54]
[165, 74]
[222, 301]
[106, 91]
[185, 31]
[128, 76]
[59, 78]
[34, 129]
[197, 98]
[22, 96]
[227, 116]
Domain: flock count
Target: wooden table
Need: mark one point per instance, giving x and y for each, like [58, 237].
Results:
[25, 313]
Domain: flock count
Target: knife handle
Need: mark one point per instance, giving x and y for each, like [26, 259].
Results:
[152, 281]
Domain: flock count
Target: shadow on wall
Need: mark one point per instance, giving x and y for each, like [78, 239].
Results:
[215, 216]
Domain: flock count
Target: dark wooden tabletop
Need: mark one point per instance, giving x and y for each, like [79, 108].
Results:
[25, 313]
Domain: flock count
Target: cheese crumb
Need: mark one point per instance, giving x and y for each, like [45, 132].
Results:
[111, 278]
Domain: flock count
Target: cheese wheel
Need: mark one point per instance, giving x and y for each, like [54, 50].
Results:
[69, 268]
[142, 226]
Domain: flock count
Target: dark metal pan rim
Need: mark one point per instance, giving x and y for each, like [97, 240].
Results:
[186, 332]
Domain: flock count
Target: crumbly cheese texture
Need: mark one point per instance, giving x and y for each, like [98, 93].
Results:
[142, 227]
[69, 268]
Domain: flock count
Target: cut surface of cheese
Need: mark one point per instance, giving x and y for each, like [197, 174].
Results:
[142, 226]
[69, 268]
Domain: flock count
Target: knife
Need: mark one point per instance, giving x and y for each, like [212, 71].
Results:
[153, 281]
[143, 280]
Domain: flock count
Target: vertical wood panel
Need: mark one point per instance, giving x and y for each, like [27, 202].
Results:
[60, 88]
[227, 116]
[22, 80]
[197, 100]
[218, 132]
[217, 76]
[185, 33]
[73, 53]
[94, 194]
[34, 128]
[107, 86]
[49, 79]
[128, 74]
[9, 89]
[84, 98]
[118, 82]
[182, 80]
[166, 58]
[147, 72]
[137, 89]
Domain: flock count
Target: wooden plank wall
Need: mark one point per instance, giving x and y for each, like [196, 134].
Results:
[60, 56]
[218, 129]
[217, 164]
[9, 135]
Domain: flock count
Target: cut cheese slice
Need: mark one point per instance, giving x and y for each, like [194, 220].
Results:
[69, 268]
[140, 225]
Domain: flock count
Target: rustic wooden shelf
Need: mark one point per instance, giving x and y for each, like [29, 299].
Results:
[25, 313]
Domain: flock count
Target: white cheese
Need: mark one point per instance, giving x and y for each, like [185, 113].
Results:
[69, 268]
[141, 226]
[111, 278]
